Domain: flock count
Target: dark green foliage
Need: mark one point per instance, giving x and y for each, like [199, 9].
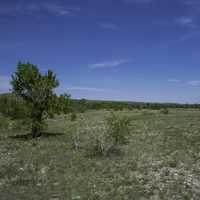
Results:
[164, 111]
[73, 116]
[83, 105]
[4, 123]
[63, 103]
[14, 107]
[37, 90]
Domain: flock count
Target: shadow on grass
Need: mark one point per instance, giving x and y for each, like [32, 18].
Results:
[29, 136]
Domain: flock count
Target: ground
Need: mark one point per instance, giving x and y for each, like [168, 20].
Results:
[160, 160]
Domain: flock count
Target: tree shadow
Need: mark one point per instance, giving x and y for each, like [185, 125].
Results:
[28, 136]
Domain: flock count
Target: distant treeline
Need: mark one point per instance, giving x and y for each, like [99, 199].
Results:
[14, 107]
[120, 105]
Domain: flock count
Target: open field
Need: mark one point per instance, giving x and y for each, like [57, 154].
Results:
[161, 159]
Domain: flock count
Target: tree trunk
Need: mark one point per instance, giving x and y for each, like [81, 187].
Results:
[36, 125]
[36, 132]
[36, 121]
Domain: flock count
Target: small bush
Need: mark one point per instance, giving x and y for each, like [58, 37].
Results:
[118, 128]
[164, 111]
[105, 139]
[73, 117]
[96, 142]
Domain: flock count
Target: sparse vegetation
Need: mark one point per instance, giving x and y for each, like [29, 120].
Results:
[160, 160]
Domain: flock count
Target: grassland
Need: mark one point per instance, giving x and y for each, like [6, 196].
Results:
[161, 159]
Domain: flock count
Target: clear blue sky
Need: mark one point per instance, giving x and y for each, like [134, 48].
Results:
[138, 50]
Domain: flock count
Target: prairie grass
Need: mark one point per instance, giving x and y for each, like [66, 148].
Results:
[160, 161]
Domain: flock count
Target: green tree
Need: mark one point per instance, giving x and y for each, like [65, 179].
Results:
[64, 103]
[36, 89]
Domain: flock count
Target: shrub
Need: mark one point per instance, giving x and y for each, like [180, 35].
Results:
[118, 128]
[164, 111]
[105, 139]
[73, 117]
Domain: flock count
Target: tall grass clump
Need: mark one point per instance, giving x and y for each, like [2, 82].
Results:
[98, 145]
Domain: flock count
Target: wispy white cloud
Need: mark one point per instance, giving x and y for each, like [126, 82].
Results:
[181, 21]
[194, 83]
[41, 8]
[193, 3]
[108, 26]
[109, 64]
[92, 89]
[60, 10]
[188, 36]
[185, 21]
[4, 84]
[174, 80]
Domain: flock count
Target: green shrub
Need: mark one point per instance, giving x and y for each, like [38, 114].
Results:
[118, 128]
[73, 117]
[105, 139]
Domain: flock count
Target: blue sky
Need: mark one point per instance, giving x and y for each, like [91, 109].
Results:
[138, 50]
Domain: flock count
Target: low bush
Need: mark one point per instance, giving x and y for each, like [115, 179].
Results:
[73, 117]
[118, 128]
[104, 139]
[164, 111]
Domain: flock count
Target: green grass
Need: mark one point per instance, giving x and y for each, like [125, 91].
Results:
[160, 161]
